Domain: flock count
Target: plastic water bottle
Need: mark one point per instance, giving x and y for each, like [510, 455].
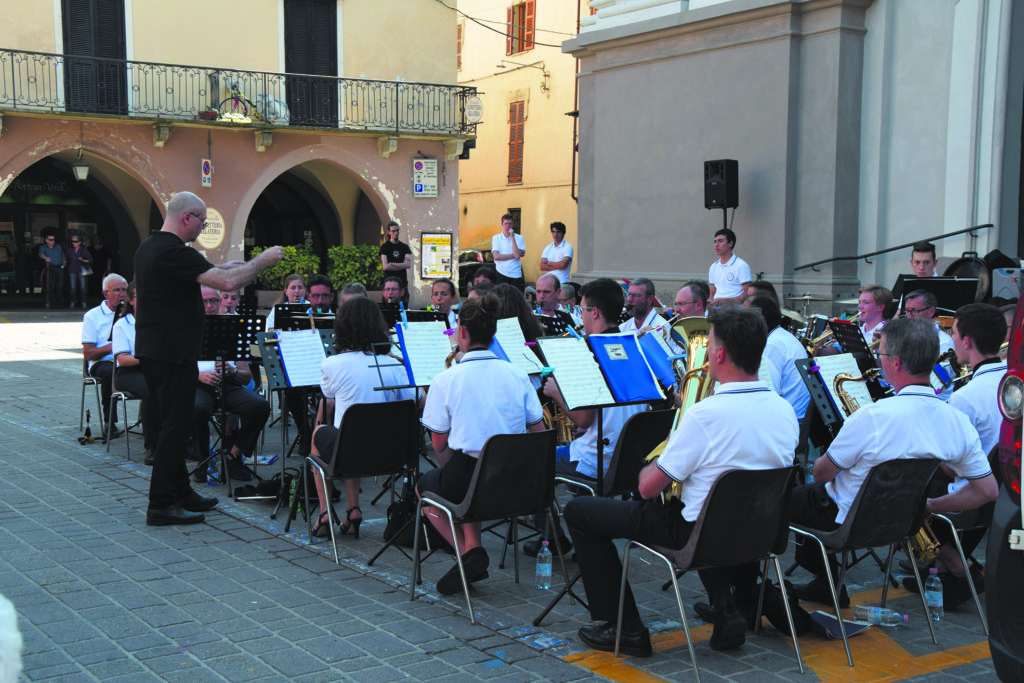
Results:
[933, 594]
[544, 567]
[212, 472]
[879, 616]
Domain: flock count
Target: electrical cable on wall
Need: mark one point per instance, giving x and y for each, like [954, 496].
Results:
[503, 33]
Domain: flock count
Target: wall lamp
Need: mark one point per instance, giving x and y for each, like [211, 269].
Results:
[506, 64]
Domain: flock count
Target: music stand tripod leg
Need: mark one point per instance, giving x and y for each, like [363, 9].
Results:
[567, 589]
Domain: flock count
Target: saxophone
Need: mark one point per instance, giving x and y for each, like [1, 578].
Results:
[691, 379]
[925, 544]
[849, 403]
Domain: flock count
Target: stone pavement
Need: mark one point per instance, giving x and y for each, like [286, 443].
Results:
[101, 596]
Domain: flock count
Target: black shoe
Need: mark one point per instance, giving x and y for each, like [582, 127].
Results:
[774, 609]
[532, 547]
[237, 471]
[730, 629]
[705, 612]
[474, 563]
[173, 514]
[635, 643]
[195, 502]
[817, 591]
[906, 567]
[150, 457]
[114, 432]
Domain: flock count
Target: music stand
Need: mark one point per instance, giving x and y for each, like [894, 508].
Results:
[950, 292]
[228, 338]
[849, 337]
[556, 325]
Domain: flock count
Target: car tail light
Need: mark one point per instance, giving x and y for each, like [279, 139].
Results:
[1011, 405]
[1009, 458]
[1011, 396]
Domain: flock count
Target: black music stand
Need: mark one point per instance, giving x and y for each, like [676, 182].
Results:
[393, 316]
[950, 292]
[228, 338]
[849, 337]
[556, 325]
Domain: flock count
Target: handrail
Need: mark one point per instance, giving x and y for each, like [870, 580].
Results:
[896, 248]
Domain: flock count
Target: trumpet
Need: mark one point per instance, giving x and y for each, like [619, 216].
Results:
[692, 381]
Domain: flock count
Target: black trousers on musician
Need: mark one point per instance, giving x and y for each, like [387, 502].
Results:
[172, 388]
[132, 381]
[812, 507]
[103, 370]
[596, 522]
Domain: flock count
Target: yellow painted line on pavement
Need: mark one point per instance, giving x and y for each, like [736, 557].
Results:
[4, 320]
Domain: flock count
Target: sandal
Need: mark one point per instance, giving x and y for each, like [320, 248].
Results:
[351, 526]
[322, 528]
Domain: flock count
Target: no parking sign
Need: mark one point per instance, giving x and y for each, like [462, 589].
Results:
[206, 173]
[424, 178]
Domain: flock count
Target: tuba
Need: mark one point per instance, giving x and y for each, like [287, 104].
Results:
[691, 380]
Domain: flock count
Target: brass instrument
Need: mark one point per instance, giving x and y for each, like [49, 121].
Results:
[451, 357]
[925, 544]
[961, 375]
[692, 381]
[825, 339]
[849, 403]
[555, 418]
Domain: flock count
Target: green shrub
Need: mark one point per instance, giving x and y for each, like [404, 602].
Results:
[297, 259]
[355, 263]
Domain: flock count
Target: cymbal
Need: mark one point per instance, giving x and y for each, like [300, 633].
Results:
[808, 297]
[848, 301]
[793, 314]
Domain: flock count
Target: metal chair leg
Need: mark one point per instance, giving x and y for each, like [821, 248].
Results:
[920, 584]
[967, 570]
[785, 601]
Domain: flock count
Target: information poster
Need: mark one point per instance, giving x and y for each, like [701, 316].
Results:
[435, 254]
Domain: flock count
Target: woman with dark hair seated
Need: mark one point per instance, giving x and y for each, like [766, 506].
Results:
[513, 305]
[466, 405]
[349, 377]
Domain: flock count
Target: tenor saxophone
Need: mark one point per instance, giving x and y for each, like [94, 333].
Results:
[849, 403]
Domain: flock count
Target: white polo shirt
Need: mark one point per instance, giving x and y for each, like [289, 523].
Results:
[124, 336]
[555, 254]
[350, 377]
[478, 398]
[503, 245]
[913, 424]
[651, 320]
[979, 401]
[583, 451]
[781, 350]
[728, 277]
[869, 335]
[945, 341]
[96, 324]
[743, 425]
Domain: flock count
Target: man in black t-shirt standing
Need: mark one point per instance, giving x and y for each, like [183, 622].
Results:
[396, 259]
[169, 337]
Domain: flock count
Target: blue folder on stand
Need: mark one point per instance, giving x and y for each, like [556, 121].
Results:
[629, 376]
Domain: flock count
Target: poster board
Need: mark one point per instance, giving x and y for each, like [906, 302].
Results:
[435, 255]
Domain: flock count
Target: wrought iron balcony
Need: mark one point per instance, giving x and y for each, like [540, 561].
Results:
[42, 82]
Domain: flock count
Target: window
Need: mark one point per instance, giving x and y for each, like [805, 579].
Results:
[458, 47]
[94, 30]
[516, 126]
[517, 220]
[519, 36]
[311, 47]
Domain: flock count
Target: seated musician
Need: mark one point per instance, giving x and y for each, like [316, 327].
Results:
[567, 300]
[478, 290]
[871, 305]
[97, 332]
[391, 297]
[692, 299]
[467, 404]
[641, 301]
[294, 293]
[780, 353]
[602, 301]
[349, 377]
[922, 304]
[978, 332]
[227, 380]
[512, 304]
[485, 274]
[351, 291]
[709, 441]
[321, 294]
[229, 302]
[548, 289]
[442, 296]
[759, 287]
[129, 375]
[915, 423]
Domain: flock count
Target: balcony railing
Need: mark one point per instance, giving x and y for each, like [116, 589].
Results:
[42, 82]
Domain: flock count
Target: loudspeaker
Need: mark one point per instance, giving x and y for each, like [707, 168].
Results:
[721, 184]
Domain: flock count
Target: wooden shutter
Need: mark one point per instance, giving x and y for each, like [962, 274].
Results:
[458, 47]
[510, 27]
[529, 22]
[516, 128]
[311, 47]
[95, 28]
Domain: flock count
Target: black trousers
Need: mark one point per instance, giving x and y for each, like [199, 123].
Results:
[250, 408]
[969, 539]
[103, 370]
[172, 388]
[133, 381]
[811, 506]
[517, 282]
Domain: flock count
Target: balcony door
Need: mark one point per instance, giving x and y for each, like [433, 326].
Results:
[93, 34]
[311, 48]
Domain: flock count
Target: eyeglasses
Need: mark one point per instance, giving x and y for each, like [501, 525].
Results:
[199, 218]
[587, 308]
[76, 241]
[49, 239]
[685, 303]
[634, 295]
[917, 311]
[211, 301]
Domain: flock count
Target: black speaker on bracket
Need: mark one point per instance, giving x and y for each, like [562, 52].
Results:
[721, 184]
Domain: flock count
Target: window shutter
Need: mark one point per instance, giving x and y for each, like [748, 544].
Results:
[528, 25]
[508, 36]
[516, 129]
[458, 47]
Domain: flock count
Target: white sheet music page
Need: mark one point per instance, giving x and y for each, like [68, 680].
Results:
[510, 336]
[425, 347]
[830, 366]
[579, 376]
[302, 353]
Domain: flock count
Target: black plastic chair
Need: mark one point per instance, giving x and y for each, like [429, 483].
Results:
[744, 519]
[375, 439]
[888, 509]
[514, 476]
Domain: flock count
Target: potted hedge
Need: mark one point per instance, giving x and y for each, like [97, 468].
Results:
[297, 259]
[355, 263]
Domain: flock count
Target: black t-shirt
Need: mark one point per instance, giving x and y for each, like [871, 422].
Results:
[169, 322]
[395, 253]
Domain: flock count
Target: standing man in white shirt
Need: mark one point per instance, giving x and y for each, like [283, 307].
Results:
[729, 273]
[640, 302]
[508, 249]
[557, 256]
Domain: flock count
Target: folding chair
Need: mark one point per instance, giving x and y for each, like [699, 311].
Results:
[888, 510]
[744, 519]
[514, 476]
[89, 380]
[375, 439]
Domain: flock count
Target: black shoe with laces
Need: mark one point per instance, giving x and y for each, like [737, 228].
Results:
[730, 630]
[635, 642]
[817, 591]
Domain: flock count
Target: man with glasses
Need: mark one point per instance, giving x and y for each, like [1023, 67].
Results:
[97, 337]
[169, 338]
[640, 302]
[557, 256]
[692, 299]
[567, 300]
[921, 304]
[79, 265]
[54, 271]
[396, 259]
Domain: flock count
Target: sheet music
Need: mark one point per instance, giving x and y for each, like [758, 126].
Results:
[302, 353]
[425, 346]
[577, 372]
[511, 338]
[830, 366]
